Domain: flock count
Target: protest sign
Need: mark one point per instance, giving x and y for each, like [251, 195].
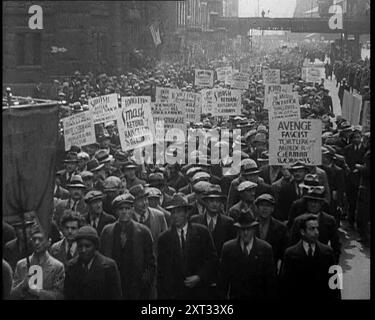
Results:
[165, 94]
[191, 103]
[135, 124]
[79, 129]
[204, 78]
[294, 141]
[274, 88]
[208, 101]
[223, 73]
[271, 76]
[127, 101]
[240, 80]
[284, 106]
[104, 107]
[221, 102]
[365, 117]
[313, 74]
[171, 113]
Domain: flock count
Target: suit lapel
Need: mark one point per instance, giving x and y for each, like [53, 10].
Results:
[153, 225]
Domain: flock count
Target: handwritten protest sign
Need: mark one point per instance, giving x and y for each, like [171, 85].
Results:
[204, 78]
[191, 103]
[128, 101]
[313, 74]
[79, 130]
[223, 73]
[294, 141]
[271, 76]
[166, 94]
[172, 114]
[221, 102]
[274, 88]
[135, 124]
[284, 106]
[240, 80]
[104, 108]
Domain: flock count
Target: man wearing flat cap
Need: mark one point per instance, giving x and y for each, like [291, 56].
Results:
[50, 269]
[246, 190]
[112, 187]
[91, 275]
[153, 197]
[129, 169]
[247, 269]
[186, 256]
[130, 244]
[97, 217]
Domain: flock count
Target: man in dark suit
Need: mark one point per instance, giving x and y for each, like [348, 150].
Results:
[247, 269]
[90, 275]
[270, 229]
[129, 168]
[291, 191]
[305, 271]
[130, 244]
[186, 256]
[354, 154]
[249, 172]
[97, 217]
[327, 224]
[66, 174]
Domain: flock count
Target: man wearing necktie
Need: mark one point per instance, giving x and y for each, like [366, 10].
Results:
[186, 256]
[247, 269]
[305, 271]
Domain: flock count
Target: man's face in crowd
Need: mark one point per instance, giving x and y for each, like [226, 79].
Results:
[124, 212]
[91, 150]
[314, 206]
[105, 143]
[356, 139]
[129, 173]
[265, 209]
[89, 183]
[110, 130]
[76, 193]
[179, 217]
[70, 167]
[213, 205]
[153, 202]
[111, 194]
[260, 146]
[299, 174]
[248, 195]
[246, 234]
[86, 250]
[69, 230]
[311, 233]
[252, 177]
[81, 163]
[39, 242]
[96, 206]
[140, 205]
[326, 160]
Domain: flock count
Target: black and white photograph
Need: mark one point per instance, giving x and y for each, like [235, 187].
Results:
[193, 150]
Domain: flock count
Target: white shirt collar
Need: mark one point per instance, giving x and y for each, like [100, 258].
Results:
[249, 245]
[306, 247]
[73, 248]
[138, 216]
[214, 218]
[183, 228]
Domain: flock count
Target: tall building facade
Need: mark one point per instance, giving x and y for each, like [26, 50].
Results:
[230, 8]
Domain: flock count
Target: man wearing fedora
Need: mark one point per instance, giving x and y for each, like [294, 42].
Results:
[186, 256]
[175, 179]
[112, 187]
[129, 168]
[91, 149]
[105, 158]
[97, 217]
[249, 172]
[53, 272]
[299, 206]
[59, 192]
[75, 202]
[91, 275]
[130, 244]
[66, 249]
[143, 213]
[247, 269]
[327, 224]
[305, 270]
[70, 164]
[246, 190]
[291, 191]
[99, 174]
[88, 180]
[270, 229]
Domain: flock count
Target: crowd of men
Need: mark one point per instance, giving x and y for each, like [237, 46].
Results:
[189, 230]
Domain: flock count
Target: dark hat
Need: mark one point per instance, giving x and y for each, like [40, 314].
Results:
[76, 182]
[93, 195]
[138, 191]
[103, 156]
[123, 198]
[129, 165]
[103, 137]
[178, 201]
[264, 157]
[310, 180]
[93, 165]
[155, 179]
[315, 193]
[87, 233]
[265, 197]
[95, 144]
[71, 157]
[213, 191]
[246, 220]
[121, 157]
[298, 165]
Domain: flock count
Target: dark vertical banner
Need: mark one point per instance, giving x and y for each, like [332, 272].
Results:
[29, 154]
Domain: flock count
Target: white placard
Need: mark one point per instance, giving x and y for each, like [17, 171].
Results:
[240, 80]
[271, 76]
[284, 106]
[104, 108]
[274, 88]
[204, 78]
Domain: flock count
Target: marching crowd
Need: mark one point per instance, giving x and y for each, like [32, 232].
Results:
[189, 230]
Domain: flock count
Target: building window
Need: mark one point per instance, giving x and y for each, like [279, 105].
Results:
[29, 49]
